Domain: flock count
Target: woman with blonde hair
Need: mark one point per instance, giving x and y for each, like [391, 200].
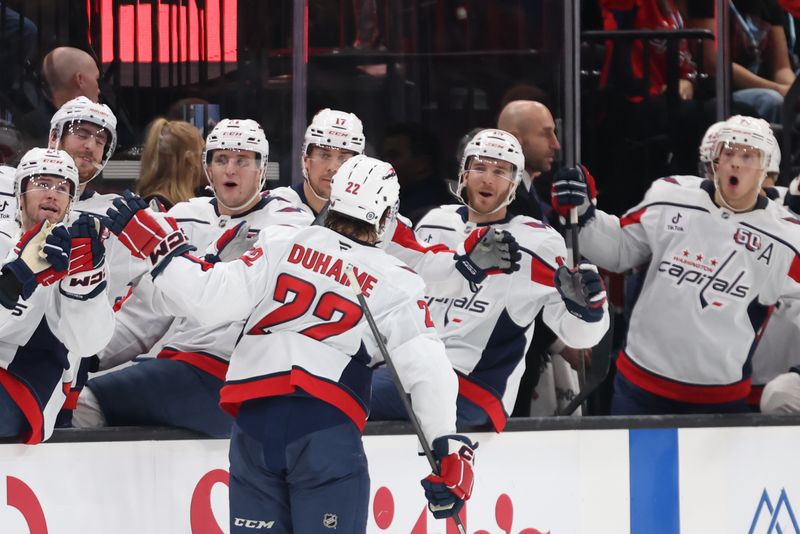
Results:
[171, 170]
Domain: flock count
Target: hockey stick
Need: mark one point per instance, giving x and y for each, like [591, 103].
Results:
[601, 363]
[356, 287]
[574, 251]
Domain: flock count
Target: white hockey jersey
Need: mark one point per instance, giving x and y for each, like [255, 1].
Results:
[305, 329]
[41, 343]
[141, 321]
[487, 333]
[433, 261]
[712, 275]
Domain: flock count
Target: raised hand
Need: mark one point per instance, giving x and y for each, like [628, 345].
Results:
[583, 291]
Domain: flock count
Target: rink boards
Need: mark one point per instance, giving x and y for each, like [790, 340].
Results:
[655, 481]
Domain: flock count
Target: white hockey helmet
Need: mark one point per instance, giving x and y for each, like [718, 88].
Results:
[748, 131]
[238, 134]
[709, 142]
[335, 129]
[495, 144]
[81, 109]
[45, 162]
[364, 188]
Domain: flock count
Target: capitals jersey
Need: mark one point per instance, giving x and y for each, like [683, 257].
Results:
[123, 268]
[433, 261]
[41, 342]
[711, 278]
[304, 330]
[487, 333]
[141, 322]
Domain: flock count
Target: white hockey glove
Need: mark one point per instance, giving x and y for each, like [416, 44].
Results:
[487, 252]
[43, 259]
[583, 291]
[231, 244]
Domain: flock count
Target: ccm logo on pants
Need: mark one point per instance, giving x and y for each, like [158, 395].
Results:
[252, 523]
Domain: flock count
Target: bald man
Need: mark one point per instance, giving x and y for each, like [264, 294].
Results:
[70, 73]
[533, 125]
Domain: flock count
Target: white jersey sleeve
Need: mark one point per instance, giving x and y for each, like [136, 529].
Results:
[434, 262]
[225, 292]
[138, 326]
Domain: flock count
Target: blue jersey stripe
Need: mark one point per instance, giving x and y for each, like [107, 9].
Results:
[654, 480]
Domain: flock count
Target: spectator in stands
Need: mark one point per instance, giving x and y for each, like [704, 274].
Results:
[70, 73]
[414, 153]
[761, 72]
[171, 170]
[17, 44]
[624, 60]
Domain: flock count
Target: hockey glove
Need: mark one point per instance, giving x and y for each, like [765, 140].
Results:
[792, 198]
[485, 252]
[574, 187]
[86, 277]
[582, 290]
[43, 257]
[447, 491]
[231, 244]
[148, 235]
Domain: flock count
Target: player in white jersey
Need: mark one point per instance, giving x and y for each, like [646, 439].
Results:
[87, 131]
[304, 361]
[332, 138]
[487, 332]
[720, 254]
[53, 284]
[181, 386]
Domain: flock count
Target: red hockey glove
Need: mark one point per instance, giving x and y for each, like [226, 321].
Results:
[574, 187]
[43, 257]
[582, 290]
[148, 235]
[447, 491]
[86, 277]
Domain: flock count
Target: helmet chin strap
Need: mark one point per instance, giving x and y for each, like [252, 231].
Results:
[240, 206]
[722, 195]
[314, 191]
[458, 194]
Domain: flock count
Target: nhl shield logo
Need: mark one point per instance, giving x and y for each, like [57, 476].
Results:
[330, 520]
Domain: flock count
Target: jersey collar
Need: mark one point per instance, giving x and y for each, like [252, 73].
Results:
[463, 212]
[260, 204]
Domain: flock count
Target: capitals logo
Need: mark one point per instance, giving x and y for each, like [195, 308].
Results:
[710, 275]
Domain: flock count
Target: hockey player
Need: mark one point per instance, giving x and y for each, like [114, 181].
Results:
[48, 302]
[299, 380]
[719, 253]
[335, 136]
[487, 333]
[181, 386]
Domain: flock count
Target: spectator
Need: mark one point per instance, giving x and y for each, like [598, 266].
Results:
[171, 169]
[414, 153]
[533, 125]
[761, 72]
[70, 73]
